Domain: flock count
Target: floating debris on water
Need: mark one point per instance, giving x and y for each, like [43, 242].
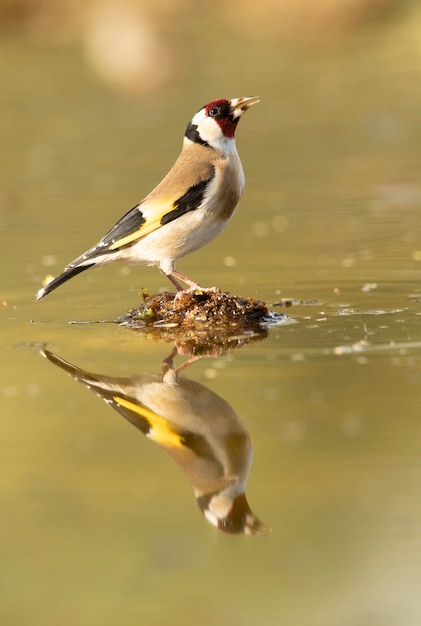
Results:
[287, 302]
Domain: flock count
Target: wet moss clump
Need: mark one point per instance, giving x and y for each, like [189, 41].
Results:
[202, 322]
[198, 310]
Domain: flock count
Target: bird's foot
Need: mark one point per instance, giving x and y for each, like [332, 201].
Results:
[193, 289]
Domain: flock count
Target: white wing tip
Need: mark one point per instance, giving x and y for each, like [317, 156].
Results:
[40, 293]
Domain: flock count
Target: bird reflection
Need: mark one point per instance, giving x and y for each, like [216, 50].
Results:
[199, 430]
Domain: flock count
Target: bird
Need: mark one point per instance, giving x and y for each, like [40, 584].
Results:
[198, 429]
[191, 205]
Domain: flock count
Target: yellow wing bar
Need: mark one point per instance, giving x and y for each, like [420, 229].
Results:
[160, 429]
[151, 224]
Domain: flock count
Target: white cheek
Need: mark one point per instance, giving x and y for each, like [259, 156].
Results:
[199, 117]
[211, 517]
[220, 506]
[211, 132]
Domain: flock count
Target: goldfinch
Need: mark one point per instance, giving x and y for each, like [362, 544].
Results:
[195, 426]
[189, 208]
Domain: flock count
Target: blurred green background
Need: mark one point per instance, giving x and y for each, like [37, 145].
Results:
[97, 525]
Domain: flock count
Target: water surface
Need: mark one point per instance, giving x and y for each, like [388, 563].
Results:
[98, 525]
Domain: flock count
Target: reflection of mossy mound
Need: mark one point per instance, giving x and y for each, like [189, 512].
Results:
[201, 315]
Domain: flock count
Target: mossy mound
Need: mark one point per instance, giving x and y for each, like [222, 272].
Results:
[201, 317]
[197, 310]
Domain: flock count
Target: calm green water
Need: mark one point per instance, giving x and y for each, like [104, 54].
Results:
[97, 524]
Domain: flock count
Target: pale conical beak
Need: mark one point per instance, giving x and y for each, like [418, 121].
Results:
[240, 105]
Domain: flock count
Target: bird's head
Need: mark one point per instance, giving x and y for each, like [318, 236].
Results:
[231, 513]
[214, 124]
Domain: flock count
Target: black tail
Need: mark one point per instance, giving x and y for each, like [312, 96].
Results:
[65, 365]
[63, 278]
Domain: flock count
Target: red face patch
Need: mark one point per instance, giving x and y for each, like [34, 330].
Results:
[220, 110]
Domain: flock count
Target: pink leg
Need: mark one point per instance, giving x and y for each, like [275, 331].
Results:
[174, 281]
[191, 283]
[169, 372]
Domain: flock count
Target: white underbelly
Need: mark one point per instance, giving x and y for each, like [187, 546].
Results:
[176, 239]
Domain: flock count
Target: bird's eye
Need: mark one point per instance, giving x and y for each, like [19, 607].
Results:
[214, 111]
